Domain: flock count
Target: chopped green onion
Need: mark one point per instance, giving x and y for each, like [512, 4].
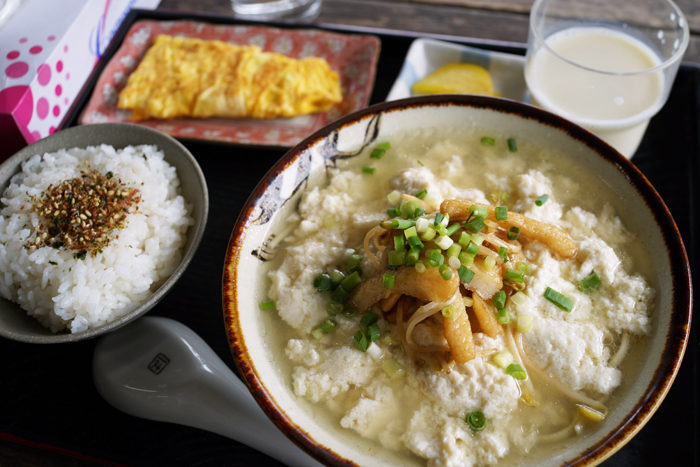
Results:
[266, 305]
[385, 145]
[388, 281]
[444, 242]
[398, 243]
[541, 200]
[408, 207]
[513, 233]
[412, 257]
[422, 224]
[472, 249]
[559, 299]
[410, 232]
[361, 341]
[524, 323]
[464, 239]
[519, 298]
[515, 276]
[590, 282]
[373, 332]
[489, 263]
[449, 312]
[475, 225]
[397, 257]
[420, 267]
[453, 228]
[368, 170]
[368, 319]
[438, 218]
[465, 259]
[339, 295]
[503, 316]
[323, 282]
[393, 212]
[334, 308]
[445, 272]
[488, 141]
[402, 224]
[337, 276]
[503, 253]
[502, 359]
[415, 244]
[511, 145]
[377, 153]
[318, 334]
[465, 274]
[349, 313]
[392, 368]
[523, 267]
[421, 194]
[328, 325]
[394, 197]
[499, 300]
[478, 239]
[501, 213]
[354, 260]
[468, 301]
[454, 262]
[351, 281]
[516, 371]
[478, 211]
[441, 229]
[429, 234]
[476, 421]
[453, 250]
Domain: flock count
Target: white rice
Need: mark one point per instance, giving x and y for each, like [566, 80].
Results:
[63, 292]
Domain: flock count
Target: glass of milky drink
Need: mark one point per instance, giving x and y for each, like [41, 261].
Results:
[606, 65]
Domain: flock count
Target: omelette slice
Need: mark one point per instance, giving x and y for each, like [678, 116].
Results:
[189, 77]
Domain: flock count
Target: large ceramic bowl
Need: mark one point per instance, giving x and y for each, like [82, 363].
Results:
[257, 234]
[14, 322]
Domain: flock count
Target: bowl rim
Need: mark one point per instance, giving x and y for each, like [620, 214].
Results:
[199, 228]
[682, 296]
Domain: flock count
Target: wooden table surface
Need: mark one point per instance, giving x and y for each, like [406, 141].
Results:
[491, 20]
[499, 20]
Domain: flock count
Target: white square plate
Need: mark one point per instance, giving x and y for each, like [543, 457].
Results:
[427, 55]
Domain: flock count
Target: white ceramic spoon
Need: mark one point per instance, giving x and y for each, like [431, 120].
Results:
[159, 369]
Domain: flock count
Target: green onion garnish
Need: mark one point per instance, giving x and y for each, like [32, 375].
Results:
[420, 267]
[524, 323]
[464, 239]
[513, 233]
[349, 313]
[503, 253]
[478, 211]
[444, 242]
[368, 319]
[398, 243]
[590, 282]
[377, 153]
[436, 258]
[397, 257]
[445, 272]
[392, 368]
[476, 420]
[523, 267]
[339, 295]
[327, 326]
[516, 371]
[453, 228]
[323, 282]
[438, 218]
[502, 359]
[361, 341]
[488, 141]
[373, 332]
[489, 263]
[472, 249]
[475, 225]
[334, 308]
[465, 274]
[449, 312]
[266, 305]
[503, 316]
[429, 234]
[453, 250]
[501, 213]
[541, 200]
[415, 243]
[354, 260]
[441, 230]
[351, 281]
[388, 281]
[421, 194]
[465, 259]
[412, 257]
[402, 224]
[368, 170]
[393, 212]
[499, 300]
[515, 276]
[559, 299]
[511, 145]
[410, 232]
[336, 276]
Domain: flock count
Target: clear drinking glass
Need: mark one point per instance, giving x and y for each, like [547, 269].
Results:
[298, 10]
[605, 66]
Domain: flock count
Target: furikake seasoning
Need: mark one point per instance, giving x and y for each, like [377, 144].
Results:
[82, 214]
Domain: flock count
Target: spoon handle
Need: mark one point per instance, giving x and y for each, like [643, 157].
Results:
[159, 369]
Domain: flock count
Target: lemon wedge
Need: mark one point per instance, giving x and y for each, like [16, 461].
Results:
[460, 78]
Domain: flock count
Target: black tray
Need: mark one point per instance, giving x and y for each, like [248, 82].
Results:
[52, 415]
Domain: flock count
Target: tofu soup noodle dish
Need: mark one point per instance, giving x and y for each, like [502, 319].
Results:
[450, 295]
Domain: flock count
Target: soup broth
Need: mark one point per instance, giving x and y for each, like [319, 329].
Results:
[382, 394]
